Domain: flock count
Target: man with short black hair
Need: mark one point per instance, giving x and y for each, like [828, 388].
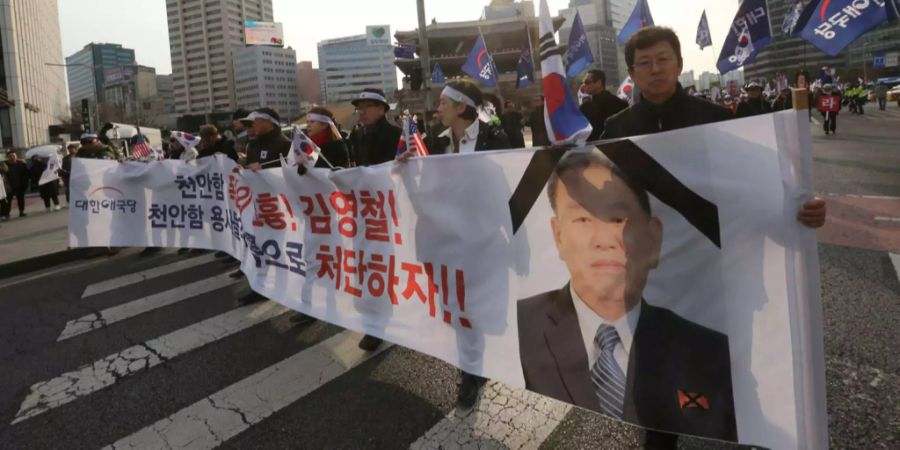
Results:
[600, 105]
[376, 141]
[211, 142]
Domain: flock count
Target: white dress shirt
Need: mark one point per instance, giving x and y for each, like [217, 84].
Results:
[468, 141]
[589, 321]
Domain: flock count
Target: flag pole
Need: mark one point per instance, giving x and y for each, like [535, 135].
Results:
[531, 51]
[424, 55]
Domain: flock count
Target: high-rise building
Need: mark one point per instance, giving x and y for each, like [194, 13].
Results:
[707, 80]
[86, 70]
[347, 65]
[32, 93]
[308, 86]
[203, 34]
[600, 33]
[127, 89]
[166, 92]
[687, 78]
[619, 11]
[266, 76]
[790, 54]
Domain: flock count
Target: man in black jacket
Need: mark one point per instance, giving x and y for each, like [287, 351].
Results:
[511, 120]
[270, 144]
[536, 122]
[601, 105]
[755, 104]
[376, 141]
[653, 57]
[18, 178]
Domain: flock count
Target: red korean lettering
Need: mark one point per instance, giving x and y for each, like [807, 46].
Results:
[359, 270]
[330, 265]
[321, 223]
[382, 277]
[346, 208]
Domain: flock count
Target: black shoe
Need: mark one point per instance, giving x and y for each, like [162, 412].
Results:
[237, 274]
[150, 251]
[220, 254]
[468, 390]
[183, 251]
[21, 214]
[252, 297]
[302, 319]
[370, 343]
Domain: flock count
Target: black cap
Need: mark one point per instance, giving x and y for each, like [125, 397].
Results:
[373, 95]
[240, 114]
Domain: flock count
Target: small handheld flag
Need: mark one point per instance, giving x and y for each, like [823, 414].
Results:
[411, 139]
[565, 122]
[626, 91]
[480, 65]
[525, 69]
[51, 172]
[703, 37]
[578, 54]
[303, 150]
[437, 75]
[640, 18]
[749, 33]
[139, 147]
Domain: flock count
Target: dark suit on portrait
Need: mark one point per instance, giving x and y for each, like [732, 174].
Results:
[668, 354]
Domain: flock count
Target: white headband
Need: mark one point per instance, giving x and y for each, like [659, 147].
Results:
[458, 96]
[371, 96]
[261, 115]
[319, 118]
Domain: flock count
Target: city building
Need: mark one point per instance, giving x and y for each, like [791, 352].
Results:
[32, 92]
[687, 78]
[86, 71]
[618, 12]
[707, 80]
[600, 34]
[508, 9]
[266, 76]
[347, 65]
[308, 86]
[127, 88]
[166, 91]
[788, 54]
[203, 34]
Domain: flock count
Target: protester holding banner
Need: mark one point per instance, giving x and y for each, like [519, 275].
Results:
[92, 148]
[270, 145]
[322, 130]
[600, 104]
[375, 142]
[829, 104]
[211, 142]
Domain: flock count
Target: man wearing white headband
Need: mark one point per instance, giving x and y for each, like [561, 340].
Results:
[270, 144]
[92, 148]
[458, 110]
[376, 141]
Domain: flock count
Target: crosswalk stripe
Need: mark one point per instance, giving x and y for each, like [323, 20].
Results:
[128, 310]
[511, 418]
[895, 260]
[213, 420]
[133, 278]
[46, 395]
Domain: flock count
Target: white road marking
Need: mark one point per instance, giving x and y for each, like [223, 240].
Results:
[126, 280]
[887, 219]
[225, 414]
[100, 374]
[504, 418]
[815, 121]
[895, 259]
[872, 197]
[128, 310]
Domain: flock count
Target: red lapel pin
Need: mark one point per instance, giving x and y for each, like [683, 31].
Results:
[692, 400]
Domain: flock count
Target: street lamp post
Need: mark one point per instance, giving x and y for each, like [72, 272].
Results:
[424, 55]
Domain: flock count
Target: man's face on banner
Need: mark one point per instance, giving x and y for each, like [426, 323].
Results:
[607, 240]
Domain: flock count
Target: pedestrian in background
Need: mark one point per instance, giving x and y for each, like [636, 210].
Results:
[880, 92]
[6, 201]
[49, 191]
[755, 104]
[511, 119]
[539, 137]
[600, 103]
[66, 170]
[17, 173]
[829, 104]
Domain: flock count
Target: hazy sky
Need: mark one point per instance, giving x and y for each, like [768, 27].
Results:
[141, 24]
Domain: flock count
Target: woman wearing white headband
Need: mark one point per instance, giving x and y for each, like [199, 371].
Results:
[322, 130]
[458, 110]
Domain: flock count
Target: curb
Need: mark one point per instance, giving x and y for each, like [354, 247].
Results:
[15, 268]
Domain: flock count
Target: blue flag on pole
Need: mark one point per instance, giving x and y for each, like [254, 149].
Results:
[703, 37]
[578, 55]
[640, 18]
[437, 75]
[480, 65]
[525, 69]
[749, 33]
[831, 25]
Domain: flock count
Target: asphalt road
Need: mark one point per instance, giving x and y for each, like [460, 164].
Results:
[169, 359]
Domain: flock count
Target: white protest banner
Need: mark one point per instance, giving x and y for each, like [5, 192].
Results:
[685, 243]
[51, 172]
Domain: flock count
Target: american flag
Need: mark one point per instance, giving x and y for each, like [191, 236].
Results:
[411, 139]
[140, 149]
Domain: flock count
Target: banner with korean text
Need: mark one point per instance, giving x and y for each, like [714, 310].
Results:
[661, 280]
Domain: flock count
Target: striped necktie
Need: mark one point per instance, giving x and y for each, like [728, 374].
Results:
[606, 375]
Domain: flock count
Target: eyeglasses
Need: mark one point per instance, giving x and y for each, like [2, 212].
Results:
[646, 65]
